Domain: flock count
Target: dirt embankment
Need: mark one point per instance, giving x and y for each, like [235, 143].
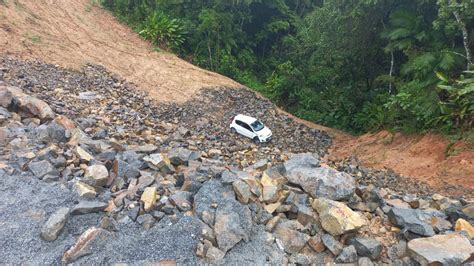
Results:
[73, 33]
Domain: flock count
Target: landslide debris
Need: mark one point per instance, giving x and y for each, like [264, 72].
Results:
[111, 177]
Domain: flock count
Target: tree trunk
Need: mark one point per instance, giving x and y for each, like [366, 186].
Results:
[465, 34]
[392, 62]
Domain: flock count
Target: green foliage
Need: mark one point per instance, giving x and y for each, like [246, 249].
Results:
[161, 30]
[357, 65]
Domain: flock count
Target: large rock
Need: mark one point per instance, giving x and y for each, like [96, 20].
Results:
[29, 106]
[149, 198]
[452, 249]
[159, 162]
[347, 255]
[92, 239]
[42, 168]
[6, 97]
[97, 175]
[293, 241]
[332, 244]
[242, 190]
[367, 247]
[336, 218]
[301, 160]
[215, 205]
[55, 224]
[409, 219]
[84, 190]
[85, 207]
[182, 156]
[321, 182]
[463, 225]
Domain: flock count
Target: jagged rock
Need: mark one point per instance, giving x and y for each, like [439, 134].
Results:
[364, 261]
[242, 190]
[316, 243]
[30, 106]
[214, 254]
[159, 162]
[409, 220]
[122, 169]
[215, 205]
[469, 211]
[57, 132]
[182, 156]
[452, 249]
[182, 200]
[92, 239]
[97, 175]
[322, 182]
[228, 177]
[148, 148]
[347, 255]
[269, 188]
[336, 218]
[55, 224]
[367, 247]
[149, 198]
[301, 160]
[332, 244]
[6, 97]
[260, 165]
[42, 168]
[83, 155]
[85, 207]
[84, 190]
[146, 220]
[272, 223]
[306, 215]
[463, 225]
[292, 240]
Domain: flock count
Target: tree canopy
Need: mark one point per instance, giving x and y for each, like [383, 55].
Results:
[357, 65]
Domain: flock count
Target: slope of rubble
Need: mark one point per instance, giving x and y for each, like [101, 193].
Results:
[92, 171]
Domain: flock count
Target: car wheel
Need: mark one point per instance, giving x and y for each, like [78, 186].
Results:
[232, 130]
[256, 140]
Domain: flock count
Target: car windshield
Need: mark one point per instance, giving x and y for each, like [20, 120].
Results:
[257, 125]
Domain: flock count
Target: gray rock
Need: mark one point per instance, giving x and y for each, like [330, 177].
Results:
[452, 249]
[6, 97]
[97, 175]
[57, 133]
[55, 224]
[293, 240]
[301, 160]
[408, 219]
[214, 254]
[364, 261]
[182, 156]
[347, 255]
[146, 220]
[322, 182]
[85, 207]
[332, 244]
[367, 247]
[42, 168]
[182, 200]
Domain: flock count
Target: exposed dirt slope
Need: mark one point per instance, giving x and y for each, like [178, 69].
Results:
[72, 33]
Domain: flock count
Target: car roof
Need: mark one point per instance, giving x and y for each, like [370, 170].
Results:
[245, 118]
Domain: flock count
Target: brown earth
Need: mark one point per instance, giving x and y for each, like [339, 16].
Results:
[73, 33]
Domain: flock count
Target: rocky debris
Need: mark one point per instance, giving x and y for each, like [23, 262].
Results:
[451, 249]
[85, 244]
[26, 105]
[55, 224]
[336, 218]
[173, 168]
[85, 207]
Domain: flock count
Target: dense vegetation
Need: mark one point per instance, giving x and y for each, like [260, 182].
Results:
[358, 65]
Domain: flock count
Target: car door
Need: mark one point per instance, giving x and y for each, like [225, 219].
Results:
[244, 129]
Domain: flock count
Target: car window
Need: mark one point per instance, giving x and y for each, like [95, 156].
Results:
[257, 125]
[246, 126]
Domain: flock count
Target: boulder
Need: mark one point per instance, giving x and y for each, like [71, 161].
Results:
[451, 249]
[159, 162]
[29, 106]
[84, 190]
[301, 160]
[97, 175]
[367, 247]
[463, 225]
[292, 240]
[149, 198]
[322, 182]
[409, 219]
[347, 255]
[182, 156]
[336, 218]
[332, 244]
[269, 188]
[469, 210]
[42, 168]
[85, 207]
[55, 224]
[6, 97]
[242, 190]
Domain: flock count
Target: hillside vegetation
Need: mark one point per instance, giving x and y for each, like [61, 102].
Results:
[355, 65]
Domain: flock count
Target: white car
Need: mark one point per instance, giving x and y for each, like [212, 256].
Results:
[251, 128]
